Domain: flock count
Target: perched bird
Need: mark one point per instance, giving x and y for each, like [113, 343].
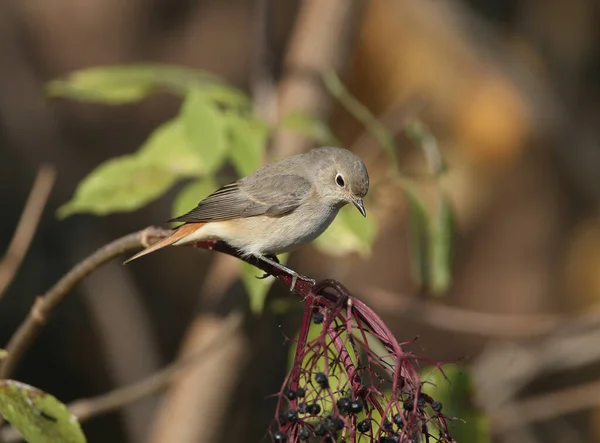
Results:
[278, 207]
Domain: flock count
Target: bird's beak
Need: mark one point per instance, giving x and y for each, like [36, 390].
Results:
[360, 206]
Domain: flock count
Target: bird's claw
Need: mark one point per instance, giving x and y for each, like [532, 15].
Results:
[262, 277]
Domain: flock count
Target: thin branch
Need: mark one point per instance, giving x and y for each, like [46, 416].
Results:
[264, 94]
[27, 226]
[545, 407]
[86, 409]
[460, 320]
[322, 40]
[44, 305]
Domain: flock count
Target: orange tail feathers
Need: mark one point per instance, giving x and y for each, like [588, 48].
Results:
[181, 232]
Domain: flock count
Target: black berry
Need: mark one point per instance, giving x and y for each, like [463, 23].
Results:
[318, 318]
[356, 406]
[300, 393]
[398, 420]
[303, 434]
[322, 380]
[364, 426]
[335, 423]
[343, 405]
[320, 430]
[314, 409]
[292, 415]
[280, 437]
[436, 406]
[291, 394]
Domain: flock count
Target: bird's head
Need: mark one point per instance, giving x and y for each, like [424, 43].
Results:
[341, 177]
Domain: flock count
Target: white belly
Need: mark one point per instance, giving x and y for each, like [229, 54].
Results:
[268, 235]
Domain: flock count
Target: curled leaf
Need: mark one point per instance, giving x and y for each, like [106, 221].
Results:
[442, 235]
[431, 239]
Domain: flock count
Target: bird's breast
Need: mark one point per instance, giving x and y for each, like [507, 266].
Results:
[276, 235]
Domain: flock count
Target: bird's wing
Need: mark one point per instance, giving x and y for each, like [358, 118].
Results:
[273, 196]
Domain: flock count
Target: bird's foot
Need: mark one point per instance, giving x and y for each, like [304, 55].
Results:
[266, 274]
[273, 261]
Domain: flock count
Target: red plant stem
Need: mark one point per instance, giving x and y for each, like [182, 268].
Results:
[317, 296]
[311, 303]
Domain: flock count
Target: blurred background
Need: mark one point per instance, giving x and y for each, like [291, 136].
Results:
[510, 89]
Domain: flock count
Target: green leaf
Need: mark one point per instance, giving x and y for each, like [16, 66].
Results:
[190, 196]
[170, 148]
[229, 97]
[418, 222]
[115, 85]
[248, 138]
[39, 416]
[3, 354]
[206, 128]
[350, 232]
[313, 128]
[119, 185]
[453, 388]
[441, 235]
[257, 288]
[431, 238]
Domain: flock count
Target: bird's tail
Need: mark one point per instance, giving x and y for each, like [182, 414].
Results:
[180, 233]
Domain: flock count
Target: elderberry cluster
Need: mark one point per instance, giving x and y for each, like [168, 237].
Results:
[340, 389]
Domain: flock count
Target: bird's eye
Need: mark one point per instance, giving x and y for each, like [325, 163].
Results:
[340, 180]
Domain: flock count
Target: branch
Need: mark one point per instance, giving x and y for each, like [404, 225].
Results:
[26, 227]
[546, 406]
[86, 409]
[44, 305]
[322, 40]
[462, 320]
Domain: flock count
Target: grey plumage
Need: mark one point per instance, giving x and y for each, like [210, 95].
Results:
[241, 199]
[279, 188]
[279, 207]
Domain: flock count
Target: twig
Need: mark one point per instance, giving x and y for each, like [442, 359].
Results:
[545, 407]
[27, 226]
[322, 41]
[361, 113]
[505, 368]
[88, 408]
[462, 320]
[264, 94]
[44, 305]
[393, 120]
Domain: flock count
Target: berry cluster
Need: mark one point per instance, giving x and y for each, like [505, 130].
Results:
[352, 381]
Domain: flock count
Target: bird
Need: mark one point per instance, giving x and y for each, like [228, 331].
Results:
[277, 208]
